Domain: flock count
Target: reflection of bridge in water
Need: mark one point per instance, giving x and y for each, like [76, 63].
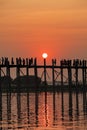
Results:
[23, 110]
[68, 72]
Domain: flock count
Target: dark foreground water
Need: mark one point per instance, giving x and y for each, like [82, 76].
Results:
[43, 111]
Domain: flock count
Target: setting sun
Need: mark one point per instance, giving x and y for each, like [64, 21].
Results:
[44, 55]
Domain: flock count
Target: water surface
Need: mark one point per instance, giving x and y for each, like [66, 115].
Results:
[43, 111]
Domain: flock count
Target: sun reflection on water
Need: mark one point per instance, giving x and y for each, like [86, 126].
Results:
[44, 111]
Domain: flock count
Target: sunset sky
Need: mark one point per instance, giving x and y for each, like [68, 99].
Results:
[30, 27]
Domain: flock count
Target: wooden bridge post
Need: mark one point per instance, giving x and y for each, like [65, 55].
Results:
[8, 75]
[61, 72]
[17, 71]
[45, 80]
[8, 71]
[0, 72]
[0, 78]
[76, 69]
[27, 73]
[84, 73]
[18, 78]
[0, 105]
[27, 67]
[69, 76]
[62, 76]
[7, 65]
[0, 97]
[53, 77]
[8, 78]
[69, 72]
[35, 71]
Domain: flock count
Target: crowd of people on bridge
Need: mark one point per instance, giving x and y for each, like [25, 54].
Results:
[75, 62]
[32, 61]
[18, 61]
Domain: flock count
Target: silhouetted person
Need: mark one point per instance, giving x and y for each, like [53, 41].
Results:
[6, 61]
[35, 61]
[23, 61]
[80, 63]
[12, 61]
[30, 61]
[61, 62]
[54, 61]
[20, 61]
[2, 61]
[27, 63]
[16, 61]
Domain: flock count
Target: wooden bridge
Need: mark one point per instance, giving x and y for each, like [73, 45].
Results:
[76, 69]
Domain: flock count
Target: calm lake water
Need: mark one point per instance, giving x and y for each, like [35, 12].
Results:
[43, 111]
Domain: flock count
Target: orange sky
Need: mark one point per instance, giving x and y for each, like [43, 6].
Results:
[31, 27]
